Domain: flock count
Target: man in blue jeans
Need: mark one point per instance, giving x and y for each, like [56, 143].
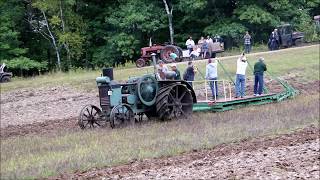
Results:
[241, 76]
[258, 70]
[212, 76]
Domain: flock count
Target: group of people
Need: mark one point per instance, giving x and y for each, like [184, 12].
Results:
[273, 42]
[212, 75]
[240, 84]
[204, 47]
[258, 71]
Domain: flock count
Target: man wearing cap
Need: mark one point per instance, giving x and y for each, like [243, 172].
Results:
[212, 76]
[177, 72]
[241, 76]
[258, 70]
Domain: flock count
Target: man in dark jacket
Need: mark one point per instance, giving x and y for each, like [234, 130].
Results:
[189, 73]
[259, 68]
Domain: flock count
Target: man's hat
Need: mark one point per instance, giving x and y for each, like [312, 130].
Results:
[173, 65]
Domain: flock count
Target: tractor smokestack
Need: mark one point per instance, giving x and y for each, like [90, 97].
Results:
[108, 72]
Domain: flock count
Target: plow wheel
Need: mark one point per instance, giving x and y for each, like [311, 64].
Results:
[174, 101]
[91, 117]
[121, 116]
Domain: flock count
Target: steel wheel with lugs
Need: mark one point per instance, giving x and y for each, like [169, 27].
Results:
[174, 101]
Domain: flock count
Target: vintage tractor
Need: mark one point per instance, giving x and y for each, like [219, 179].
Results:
[162, 52]
[4, 75]
[125, 103]
[288, 37]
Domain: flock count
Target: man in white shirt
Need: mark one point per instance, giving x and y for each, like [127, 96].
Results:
[212, 76]
[241, 76]
[190, 44]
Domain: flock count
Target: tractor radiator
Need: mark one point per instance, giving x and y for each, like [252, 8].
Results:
[104, 97]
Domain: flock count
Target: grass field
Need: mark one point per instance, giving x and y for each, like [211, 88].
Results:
[304, 62]
[46, 155]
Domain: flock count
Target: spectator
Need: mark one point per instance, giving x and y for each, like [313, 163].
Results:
[189, 73]
[173, 56]
[212, 76]
[162, 70]
[274, 40]
[195, 53]
[200, 44]
[177, 72]
[277, 38]
[258, 70]
[190, 44]
[247, 43]
[241, 76]
[205, 47]
[210, 47]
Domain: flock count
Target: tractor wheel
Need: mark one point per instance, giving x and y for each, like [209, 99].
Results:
[91, 117]
[140, 63]
[5, 79]
[166, 51]
[174, 101]
[121, 116]
[298, 42]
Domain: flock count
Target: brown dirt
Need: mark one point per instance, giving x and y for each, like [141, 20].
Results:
[28, 106]
[290, 156]
[52, 110]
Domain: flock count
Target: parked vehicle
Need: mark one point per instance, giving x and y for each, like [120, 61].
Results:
[4, 76]
[288, 37]
[163, 52]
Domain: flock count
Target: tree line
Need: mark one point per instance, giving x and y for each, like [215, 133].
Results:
[45, 35]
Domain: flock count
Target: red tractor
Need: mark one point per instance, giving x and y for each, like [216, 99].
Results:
[163, 52]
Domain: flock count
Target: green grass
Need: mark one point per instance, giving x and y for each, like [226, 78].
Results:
[47, 155]
[280, 63]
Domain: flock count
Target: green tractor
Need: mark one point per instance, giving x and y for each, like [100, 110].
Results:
[125, 103]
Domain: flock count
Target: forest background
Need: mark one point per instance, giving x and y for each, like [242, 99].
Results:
[49, 35]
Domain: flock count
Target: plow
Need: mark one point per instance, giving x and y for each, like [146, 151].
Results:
[123, 104]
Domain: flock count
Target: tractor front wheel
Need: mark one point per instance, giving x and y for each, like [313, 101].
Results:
[121, 116]
[91, 117]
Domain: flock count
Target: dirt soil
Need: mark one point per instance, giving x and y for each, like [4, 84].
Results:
[27, 106]
[290, 156]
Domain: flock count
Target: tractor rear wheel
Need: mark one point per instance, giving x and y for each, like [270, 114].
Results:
[166, 51]
[174, 101]
[140, 63]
